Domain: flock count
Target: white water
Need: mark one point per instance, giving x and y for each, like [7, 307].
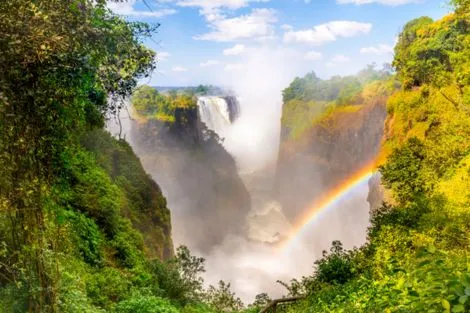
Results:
[250, 262]
[215, 113]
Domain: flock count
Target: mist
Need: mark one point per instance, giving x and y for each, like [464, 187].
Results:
[258, 80]
[252, 262]
[240, 244]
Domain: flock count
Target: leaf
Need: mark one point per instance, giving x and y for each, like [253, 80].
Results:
[431, 249]
[445, 304]
[423, 263]
[458, 308]
[463, 299]
[467, 291]
[466, 281]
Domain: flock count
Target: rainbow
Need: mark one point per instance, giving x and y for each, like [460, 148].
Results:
[329, 200]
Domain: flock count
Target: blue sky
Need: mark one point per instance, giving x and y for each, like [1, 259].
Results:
[209, 41]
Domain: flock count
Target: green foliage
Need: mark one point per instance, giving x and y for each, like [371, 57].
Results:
[180, 277]
[197, 308]
[92, 192]
[461, 6]
[335, 267]
[434, 53]
[149, 103]
[66, 58]
[401, 173]
[310, 100]
[342, 90]
[261, 300]
[142, 200]
[145, 304]
[88, 238]
[415, 259]
[222, 299]
[106, 286]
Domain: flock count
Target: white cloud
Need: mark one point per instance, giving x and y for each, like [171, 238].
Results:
[179, 69]
[211, 9]
[379, 49]
[287, 27]
[233, 67]
[258, 24]
[236, 50]
[385, 2]
[127, 8]
[209, 63]
[230, 4]
[162, 56]
[330, 31]
[338, 59]
[313, 56]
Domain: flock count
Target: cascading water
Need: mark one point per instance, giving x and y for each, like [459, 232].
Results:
[218, 113]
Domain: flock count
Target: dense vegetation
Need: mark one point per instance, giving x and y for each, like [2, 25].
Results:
[416, 257]
[80, 219]
[84, 229]
[310, 100]
[148, 102]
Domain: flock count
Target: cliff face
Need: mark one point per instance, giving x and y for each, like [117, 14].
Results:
[339, 143]
[207, 197]
[143, 202]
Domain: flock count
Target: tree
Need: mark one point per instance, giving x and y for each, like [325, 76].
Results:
[408, 70]
[65, 58]
[335, 267]
[461, 6]
[261, 300]
[151, 104]
[401, 173]
[222, 299]
[145, 100]
[180, 277]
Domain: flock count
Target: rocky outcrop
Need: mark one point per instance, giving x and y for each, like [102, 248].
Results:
[334, 148]
[376, 195]
[199, 177]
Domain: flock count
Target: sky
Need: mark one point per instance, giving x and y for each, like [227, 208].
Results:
[211, 41]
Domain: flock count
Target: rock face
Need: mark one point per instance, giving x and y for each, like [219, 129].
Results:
[334, 148]
[207, 198]
[376, 194]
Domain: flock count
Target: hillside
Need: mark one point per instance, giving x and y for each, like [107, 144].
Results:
[85, 224]
[322, 143]
[208, 198]
[416, 257]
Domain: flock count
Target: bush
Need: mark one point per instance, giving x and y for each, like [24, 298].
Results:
[87, 235]
[107, 286]
[401, 173]
[145, 304]
[335, 267]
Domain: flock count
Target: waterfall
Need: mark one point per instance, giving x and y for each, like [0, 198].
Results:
[218, 113]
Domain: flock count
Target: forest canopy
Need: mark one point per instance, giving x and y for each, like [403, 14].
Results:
[83, 228]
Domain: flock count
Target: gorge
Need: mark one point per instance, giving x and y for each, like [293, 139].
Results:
[225, 211]
[337, 192]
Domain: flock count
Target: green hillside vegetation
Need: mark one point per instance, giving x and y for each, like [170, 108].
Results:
[83, 228]
[416, 257]
[310, 100]
[150, 103]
